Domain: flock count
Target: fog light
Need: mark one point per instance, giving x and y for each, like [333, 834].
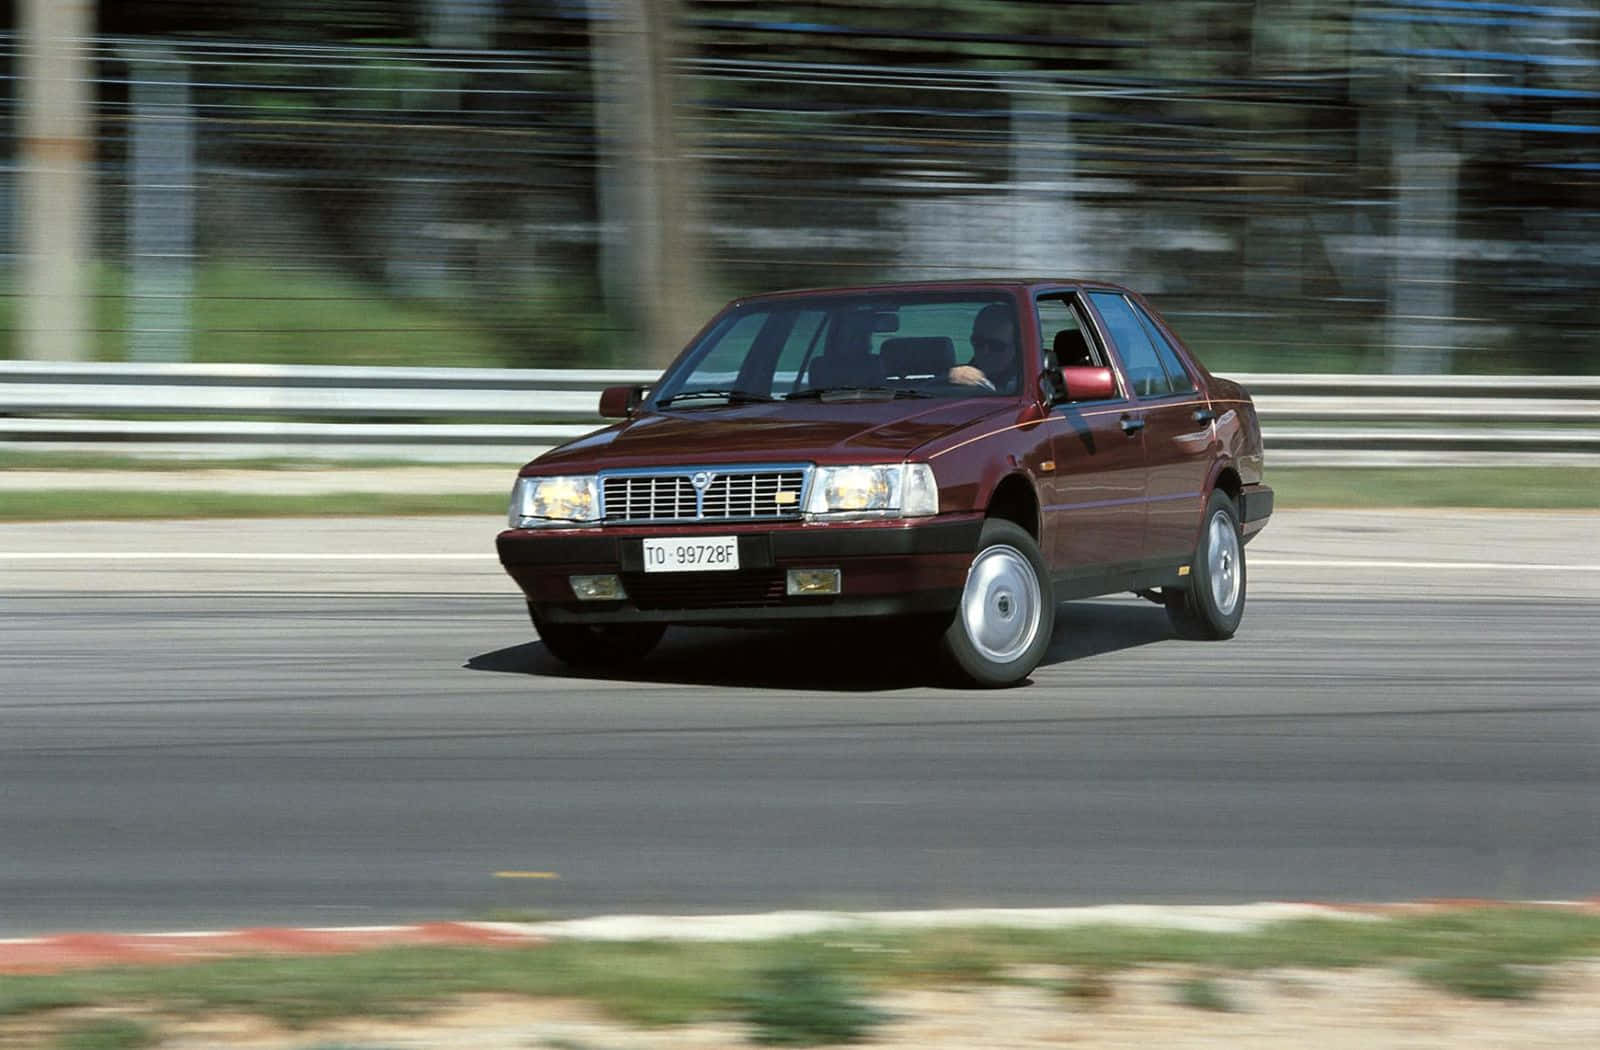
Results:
[813, 582]
[598, 588]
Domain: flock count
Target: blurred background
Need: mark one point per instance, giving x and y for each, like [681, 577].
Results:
[1301, 185]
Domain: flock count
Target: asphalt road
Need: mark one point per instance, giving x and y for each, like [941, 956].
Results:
[191, 739]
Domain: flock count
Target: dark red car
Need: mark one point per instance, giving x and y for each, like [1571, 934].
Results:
[959, 455]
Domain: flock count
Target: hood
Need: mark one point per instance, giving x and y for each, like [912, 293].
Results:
[787, 432]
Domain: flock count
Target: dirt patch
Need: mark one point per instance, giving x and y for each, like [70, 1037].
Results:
[1044, 1007]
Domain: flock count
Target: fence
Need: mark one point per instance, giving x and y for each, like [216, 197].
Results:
[508, 415]
[1357, 185]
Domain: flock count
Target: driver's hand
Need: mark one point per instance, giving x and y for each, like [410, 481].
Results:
[968, 375]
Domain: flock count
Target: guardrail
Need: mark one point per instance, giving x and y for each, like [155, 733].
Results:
[508, 415]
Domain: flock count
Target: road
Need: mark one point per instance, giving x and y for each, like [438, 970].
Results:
[192, 736]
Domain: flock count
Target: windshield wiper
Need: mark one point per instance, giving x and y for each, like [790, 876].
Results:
[843, 393]
[733, 397]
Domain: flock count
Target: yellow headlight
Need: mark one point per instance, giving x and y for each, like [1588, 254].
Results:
[553, 501]
[564, 498]
[859, 488]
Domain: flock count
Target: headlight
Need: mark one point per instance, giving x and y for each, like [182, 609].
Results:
[887, 490]
[538, 502]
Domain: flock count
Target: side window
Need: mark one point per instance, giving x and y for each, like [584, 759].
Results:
[1176, 373]
[1139, 355]
[1062, 330]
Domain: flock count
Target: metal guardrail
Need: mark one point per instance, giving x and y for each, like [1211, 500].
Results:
[508, 415]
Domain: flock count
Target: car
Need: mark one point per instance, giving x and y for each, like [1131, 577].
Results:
[830, 454]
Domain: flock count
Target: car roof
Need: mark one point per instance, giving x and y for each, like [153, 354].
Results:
[1010, 283]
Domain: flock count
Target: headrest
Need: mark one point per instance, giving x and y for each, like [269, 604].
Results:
[918, 355]
[837, 370]
[1072, 348]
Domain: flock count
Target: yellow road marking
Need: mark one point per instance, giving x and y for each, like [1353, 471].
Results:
[526, 875]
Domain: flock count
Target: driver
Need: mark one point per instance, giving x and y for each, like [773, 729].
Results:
[994, 362]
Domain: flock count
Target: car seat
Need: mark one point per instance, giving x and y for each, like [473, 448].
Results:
[918, 357]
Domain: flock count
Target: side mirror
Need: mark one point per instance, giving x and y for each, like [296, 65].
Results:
[620, 402]
[1086, 383]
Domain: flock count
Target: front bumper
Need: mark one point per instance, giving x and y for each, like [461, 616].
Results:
[889, 568]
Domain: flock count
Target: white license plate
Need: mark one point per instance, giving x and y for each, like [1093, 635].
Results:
[707, 554]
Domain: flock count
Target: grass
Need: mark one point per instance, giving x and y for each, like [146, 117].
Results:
[805, 1002]
[1203, 993]
[1492, 953]
[1553, 488]
[23, 459]
[277, 314]
[1515, 488]
[126, 504]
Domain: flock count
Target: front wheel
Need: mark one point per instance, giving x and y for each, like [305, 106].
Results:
[597, 645]
[1211, 607]
[1003, 625]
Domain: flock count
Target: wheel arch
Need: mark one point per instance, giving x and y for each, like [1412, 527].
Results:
[1014, 500]
[1226, 478]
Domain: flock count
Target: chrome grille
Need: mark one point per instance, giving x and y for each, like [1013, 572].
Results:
[655, 497]
[730, 495]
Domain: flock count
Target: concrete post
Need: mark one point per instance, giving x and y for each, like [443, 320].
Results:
[651, 256]
[1421, 329]
[57, 147]
[161, 188]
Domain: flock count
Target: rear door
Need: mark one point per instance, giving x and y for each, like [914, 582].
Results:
[1176, 428]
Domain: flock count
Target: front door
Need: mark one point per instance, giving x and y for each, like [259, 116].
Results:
[1094, 498]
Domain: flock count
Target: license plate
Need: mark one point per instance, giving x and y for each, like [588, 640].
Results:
[707, 554]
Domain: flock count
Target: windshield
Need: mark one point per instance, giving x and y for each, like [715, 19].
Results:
[851, 348]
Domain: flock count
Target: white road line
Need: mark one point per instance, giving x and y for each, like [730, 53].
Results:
[1431, 566]
[232, 556]
[488, 556]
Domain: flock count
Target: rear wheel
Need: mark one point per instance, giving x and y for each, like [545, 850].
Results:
[597, 645]
[1213, 603]
[1002, 627]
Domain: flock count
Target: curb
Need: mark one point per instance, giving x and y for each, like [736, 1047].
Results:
[75, 951]
[71, 951]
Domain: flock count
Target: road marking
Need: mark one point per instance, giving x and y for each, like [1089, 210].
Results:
[1432, 566]
[526, 875]
[283, 556]
[231, 556]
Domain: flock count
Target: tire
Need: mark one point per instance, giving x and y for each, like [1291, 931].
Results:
[597, 645]
[1002, 627]
[1211, 607]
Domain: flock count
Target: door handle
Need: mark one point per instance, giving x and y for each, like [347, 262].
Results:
[1132, 424]
[1204, 415]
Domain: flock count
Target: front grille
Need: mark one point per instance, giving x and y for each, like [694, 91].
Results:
[728, 495]
[710, 590]
[656, 497]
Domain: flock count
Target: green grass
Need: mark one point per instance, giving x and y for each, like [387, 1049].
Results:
[262, 314]
[1203, 993]
[1551, 488]
[806, 1002]
[1491, 953]
[23, 459]
[1547, 488]
[128, 504]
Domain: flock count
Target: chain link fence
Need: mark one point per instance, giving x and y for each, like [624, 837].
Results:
[1350, 187]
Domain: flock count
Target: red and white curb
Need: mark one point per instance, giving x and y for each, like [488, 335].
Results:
[72, 951]
[88, 950]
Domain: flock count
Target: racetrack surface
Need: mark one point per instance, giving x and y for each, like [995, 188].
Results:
[1410, 709]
